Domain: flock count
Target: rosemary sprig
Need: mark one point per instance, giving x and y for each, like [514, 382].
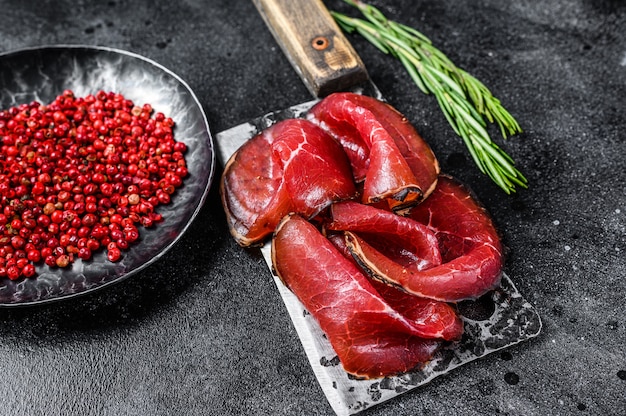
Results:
[465, 101]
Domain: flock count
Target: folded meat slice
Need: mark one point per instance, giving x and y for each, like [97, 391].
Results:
[292, 166]
[405, 240]
[434, 318]
[468, 242]
[370, 338]
[385, 150]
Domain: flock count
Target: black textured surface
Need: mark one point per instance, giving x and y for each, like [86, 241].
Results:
[203, 330]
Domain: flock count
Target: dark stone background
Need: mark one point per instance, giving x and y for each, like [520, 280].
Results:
[203, 331]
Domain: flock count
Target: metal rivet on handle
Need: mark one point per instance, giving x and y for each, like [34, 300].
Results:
[320, 43]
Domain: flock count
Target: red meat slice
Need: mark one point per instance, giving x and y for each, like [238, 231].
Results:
[293, 166]
[407, 241]
[435, 319]
[370, 338]
[384, 149]
[469, 244]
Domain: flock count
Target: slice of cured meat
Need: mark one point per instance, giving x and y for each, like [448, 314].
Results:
[370, 338]
[385, 150]
[468, 241]
[434, 318]
[292, 166]
[405, 240]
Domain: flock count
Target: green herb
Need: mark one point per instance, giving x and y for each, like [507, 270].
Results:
[465, 101]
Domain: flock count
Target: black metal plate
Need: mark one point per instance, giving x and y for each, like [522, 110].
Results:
[41, 74]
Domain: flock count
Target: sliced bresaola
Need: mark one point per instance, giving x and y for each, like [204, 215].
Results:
[292, 166]
[371, 339]
[468, 242]
[434, 318]
[405, 240]
[385, 150]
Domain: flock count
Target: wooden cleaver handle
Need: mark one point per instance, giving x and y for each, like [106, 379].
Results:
[314, 44]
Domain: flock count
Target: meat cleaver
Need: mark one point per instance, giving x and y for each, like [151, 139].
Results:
[326, 63]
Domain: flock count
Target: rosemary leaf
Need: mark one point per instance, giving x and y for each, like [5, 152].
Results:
[418, 35]
[503, 162]
[445, 79]
[413, 73]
